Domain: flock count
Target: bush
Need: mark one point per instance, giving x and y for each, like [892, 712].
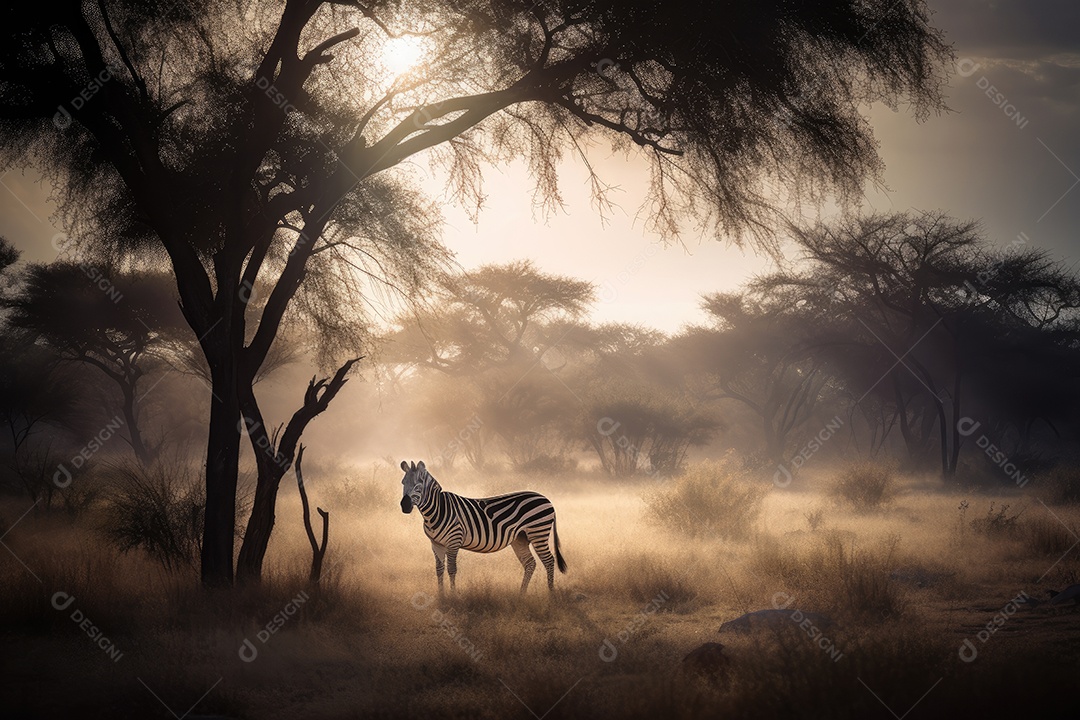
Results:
[159, 510]
[998, 524]
[865, 485]
[710, 499]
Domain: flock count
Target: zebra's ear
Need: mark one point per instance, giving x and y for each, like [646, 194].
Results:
[420, 465]
[405, 466]
[413, 466]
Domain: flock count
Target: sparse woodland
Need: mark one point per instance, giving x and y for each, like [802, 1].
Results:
[861, 463]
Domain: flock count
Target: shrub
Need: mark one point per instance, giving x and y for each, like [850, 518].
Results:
[158, 509]
[999, 523]
[865, 485]
[710, 499]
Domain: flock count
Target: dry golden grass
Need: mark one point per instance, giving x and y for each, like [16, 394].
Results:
[906, 584]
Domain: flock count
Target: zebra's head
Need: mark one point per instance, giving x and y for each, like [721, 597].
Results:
[412, 485]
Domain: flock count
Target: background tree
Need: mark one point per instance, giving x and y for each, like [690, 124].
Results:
[492, 317]
[114, 322]
[501, 330]
[756, 352]
[915, 311]
[251, 142]
[39, 400]
[637, 413]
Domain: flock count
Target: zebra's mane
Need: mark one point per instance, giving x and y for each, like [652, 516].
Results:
[428, 479]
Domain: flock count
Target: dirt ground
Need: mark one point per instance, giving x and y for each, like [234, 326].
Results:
[919, 601]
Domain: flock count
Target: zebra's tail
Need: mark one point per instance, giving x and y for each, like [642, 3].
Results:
[558, 555]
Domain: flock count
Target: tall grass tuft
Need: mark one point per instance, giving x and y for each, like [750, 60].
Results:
[829, 576]
[710, 499]
[864, 587]
[865, 485]
[1048, 537]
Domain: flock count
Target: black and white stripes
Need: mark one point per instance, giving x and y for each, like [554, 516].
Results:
[454, 523]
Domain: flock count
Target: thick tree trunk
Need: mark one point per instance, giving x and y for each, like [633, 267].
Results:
[222, 468]
[260, 526]
[271, 468]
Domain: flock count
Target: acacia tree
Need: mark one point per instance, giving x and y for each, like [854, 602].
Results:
[756, 353]
[913, 308]
[114, 325]
[493, 317]
[255, 142]
[490, 328]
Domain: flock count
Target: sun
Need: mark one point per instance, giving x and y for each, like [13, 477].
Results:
[401, 54]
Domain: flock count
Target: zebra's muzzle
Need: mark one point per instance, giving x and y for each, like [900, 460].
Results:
[406, 505]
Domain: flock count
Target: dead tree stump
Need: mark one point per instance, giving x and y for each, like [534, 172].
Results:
[317, 551]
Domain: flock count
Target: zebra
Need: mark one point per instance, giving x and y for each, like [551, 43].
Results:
[454, 523]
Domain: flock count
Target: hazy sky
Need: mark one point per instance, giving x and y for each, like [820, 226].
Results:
[1008, 155]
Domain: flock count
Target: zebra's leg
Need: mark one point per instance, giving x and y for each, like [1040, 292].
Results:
[440, 555]
[521, 549]
[539, 539]
[451, 564]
